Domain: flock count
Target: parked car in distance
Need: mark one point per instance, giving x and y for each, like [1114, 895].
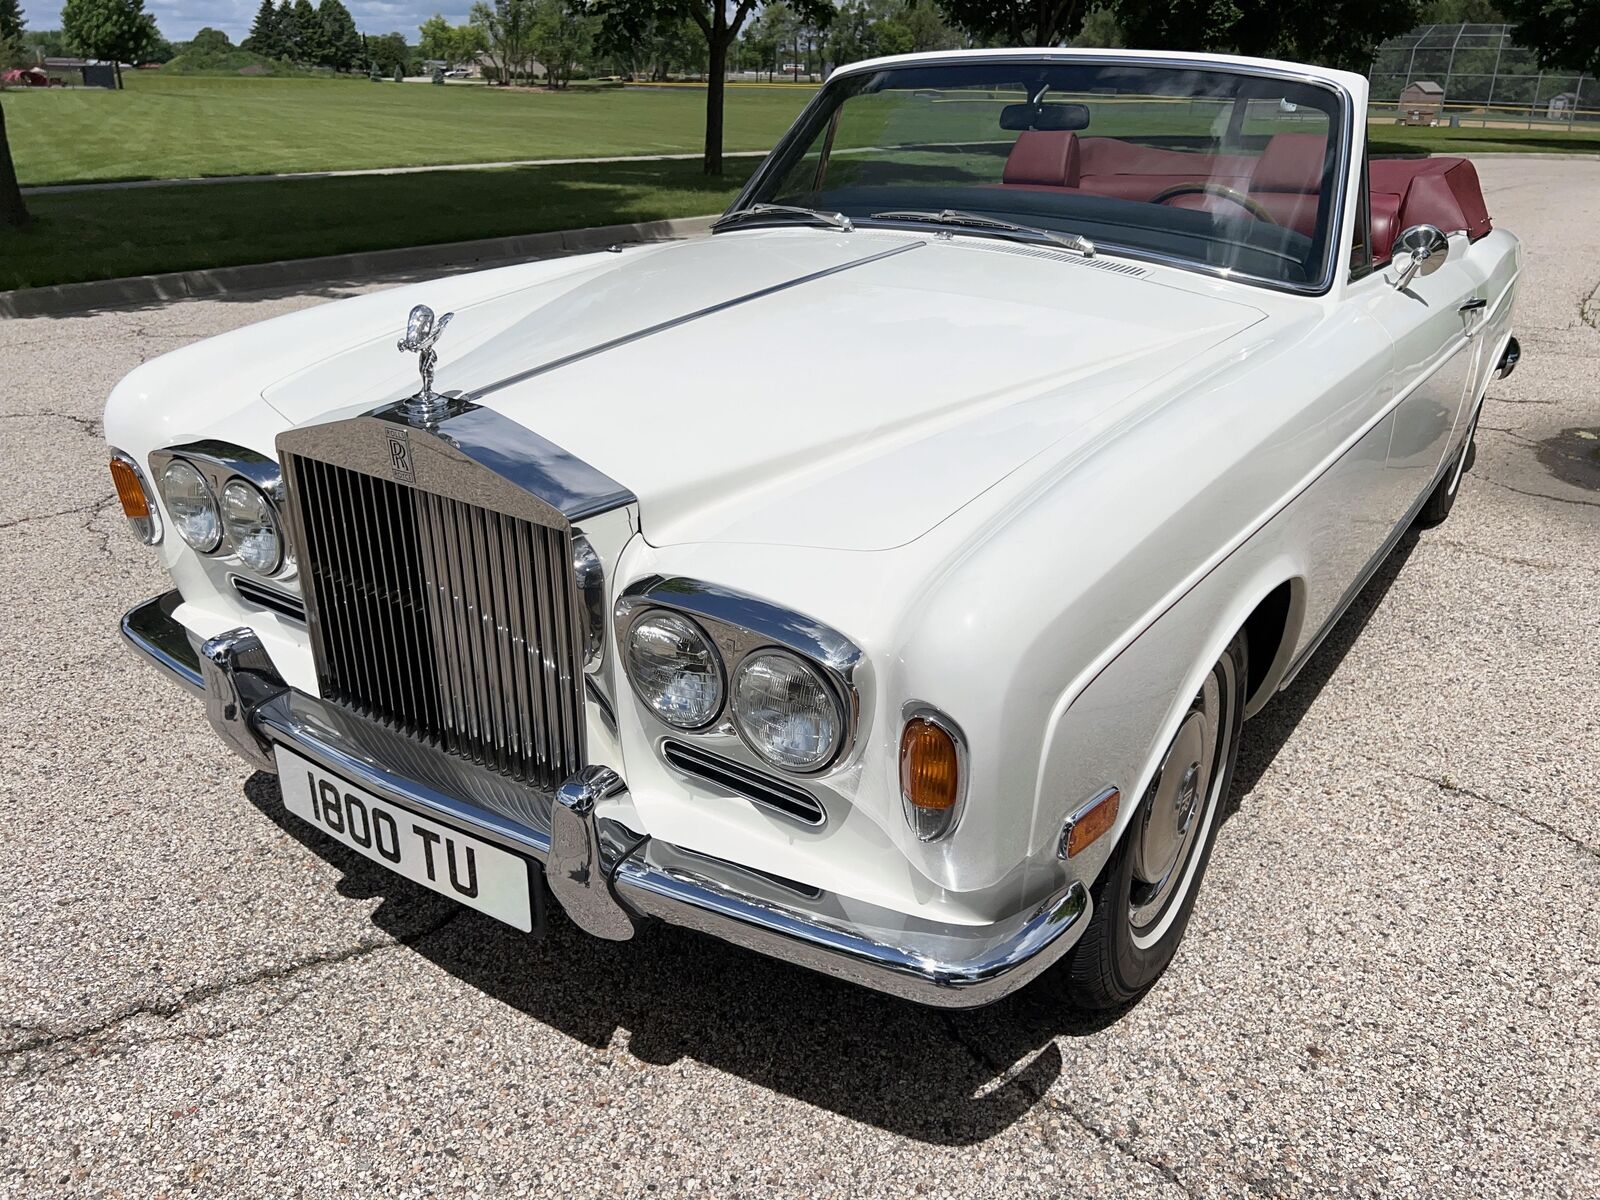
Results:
[1108, 380]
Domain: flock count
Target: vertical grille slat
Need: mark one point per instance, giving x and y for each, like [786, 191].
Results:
[446, 620]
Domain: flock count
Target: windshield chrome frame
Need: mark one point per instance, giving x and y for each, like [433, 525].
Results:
[1332, 256]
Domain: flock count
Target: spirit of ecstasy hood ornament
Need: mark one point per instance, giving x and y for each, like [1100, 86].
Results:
[421, 335]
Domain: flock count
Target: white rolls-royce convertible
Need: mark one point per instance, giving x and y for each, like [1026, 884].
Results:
[880, 582]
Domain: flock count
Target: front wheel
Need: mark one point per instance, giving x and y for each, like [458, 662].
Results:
[1147, 890]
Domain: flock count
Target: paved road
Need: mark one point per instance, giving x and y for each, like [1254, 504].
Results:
[1391, 985]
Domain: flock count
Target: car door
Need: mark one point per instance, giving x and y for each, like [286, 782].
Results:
[1433, 322]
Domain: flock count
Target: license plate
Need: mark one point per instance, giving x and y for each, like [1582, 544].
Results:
[466, 869]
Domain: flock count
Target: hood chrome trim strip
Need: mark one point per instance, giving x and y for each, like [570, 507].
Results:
[650, 330]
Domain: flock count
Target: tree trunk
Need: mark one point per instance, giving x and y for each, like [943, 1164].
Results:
[716, 80]
[13, 212]
[117, 66]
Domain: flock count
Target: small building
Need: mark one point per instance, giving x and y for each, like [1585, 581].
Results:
[1562, 107]
[1421, 103]
[486, 66]
[92, 72]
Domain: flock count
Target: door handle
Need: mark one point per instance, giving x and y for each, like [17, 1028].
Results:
[1475, 304]
[1474, 308]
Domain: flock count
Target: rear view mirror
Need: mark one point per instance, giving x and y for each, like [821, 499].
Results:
[1055, 117]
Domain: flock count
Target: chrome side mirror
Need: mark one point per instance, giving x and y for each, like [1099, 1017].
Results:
[1423, 243]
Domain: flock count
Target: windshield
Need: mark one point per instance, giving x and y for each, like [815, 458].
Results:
[1209, 167]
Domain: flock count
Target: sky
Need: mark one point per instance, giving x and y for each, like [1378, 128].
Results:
[180, 19]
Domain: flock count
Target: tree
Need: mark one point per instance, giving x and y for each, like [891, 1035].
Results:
[1100, 30]
[388, 51]
[1338, 33]
[561, 36]
[341, 44]
[10, 21]
[1020, 22]
[115, 30]
[266, 38]
[288, 24]
[720, 28]
[1564, 33]
[436, 38]
[211, 41]
[13, 212]
[506, 25]
[307, 34]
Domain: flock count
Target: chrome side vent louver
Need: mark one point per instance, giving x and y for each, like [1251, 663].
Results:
[269, 598]
[793, 802]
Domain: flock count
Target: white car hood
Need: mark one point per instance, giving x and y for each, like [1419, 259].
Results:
[801, 386]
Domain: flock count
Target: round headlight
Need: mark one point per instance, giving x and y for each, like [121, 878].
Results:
[252, 526]
[191, 505]
[786, 712]
[675, 669]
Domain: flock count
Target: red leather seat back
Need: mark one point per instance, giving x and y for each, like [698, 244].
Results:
[1287, 179]
[1291, 162]
[1043, 158]
[1385, 209]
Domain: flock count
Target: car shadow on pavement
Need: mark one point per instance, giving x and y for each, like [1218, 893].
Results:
[943, 1077]
[948, 1078]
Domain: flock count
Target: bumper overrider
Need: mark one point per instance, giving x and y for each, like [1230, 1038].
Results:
[609, 879]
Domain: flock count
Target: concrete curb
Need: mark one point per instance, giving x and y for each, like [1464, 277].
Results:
[67, 299]
[1536, 155]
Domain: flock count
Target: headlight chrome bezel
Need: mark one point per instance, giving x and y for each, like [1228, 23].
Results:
[208, 496]
[741, 626]
[688, 629]
[741, 722]
[220, 464]
[273, 521]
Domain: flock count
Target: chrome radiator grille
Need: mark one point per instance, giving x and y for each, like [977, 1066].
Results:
[446, 620]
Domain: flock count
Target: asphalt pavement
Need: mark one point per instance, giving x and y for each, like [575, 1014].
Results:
[1391, 985]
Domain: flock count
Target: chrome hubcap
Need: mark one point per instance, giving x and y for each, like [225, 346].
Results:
[1169, 826]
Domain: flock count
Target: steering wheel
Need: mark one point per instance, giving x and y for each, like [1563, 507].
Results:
[1215, 189]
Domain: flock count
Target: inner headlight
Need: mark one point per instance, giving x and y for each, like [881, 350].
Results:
[252, 527]
[675, 669]
[786, 712]
[191, 505]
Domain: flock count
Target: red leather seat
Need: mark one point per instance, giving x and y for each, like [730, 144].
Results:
[1128, 171]
[1043, 158]
[1287, 179]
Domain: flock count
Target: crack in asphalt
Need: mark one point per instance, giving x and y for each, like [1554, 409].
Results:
[1509, 560]
[92, 507]
[1104, 1136]
[1541, 495]
[89, 425]
[1446, 784]
[77, 1044]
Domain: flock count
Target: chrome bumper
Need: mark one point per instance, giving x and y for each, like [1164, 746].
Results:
[608, 878]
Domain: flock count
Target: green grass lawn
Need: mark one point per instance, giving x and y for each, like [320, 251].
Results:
[1388, 138]
[102, 235]
[173, 127]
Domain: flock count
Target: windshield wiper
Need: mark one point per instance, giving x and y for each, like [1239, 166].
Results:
[959, 219]
[833, 220]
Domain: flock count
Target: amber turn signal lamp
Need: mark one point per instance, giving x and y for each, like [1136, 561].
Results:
[930, 776]
[135, 499]
[1086, 826]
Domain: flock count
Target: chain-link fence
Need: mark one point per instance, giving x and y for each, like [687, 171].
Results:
[1476, 75]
